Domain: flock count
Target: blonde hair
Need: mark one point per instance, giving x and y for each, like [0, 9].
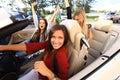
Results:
[83, 24]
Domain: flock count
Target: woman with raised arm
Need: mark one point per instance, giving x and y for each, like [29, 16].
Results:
[43, 27]
[55, 49]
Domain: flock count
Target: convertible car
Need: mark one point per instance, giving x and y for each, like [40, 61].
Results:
[101, 62]
[101, 59]
[96, 59]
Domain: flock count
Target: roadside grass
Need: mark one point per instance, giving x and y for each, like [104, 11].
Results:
[92, 18]
[88, 18]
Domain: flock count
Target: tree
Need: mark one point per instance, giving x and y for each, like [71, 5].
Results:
[11, 4]
[84, 4]
[41, 4]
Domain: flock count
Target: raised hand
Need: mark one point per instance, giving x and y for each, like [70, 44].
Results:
[66, 3]
[34, 4]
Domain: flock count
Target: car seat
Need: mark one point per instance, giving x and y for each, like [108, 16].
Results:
[102, 38]
[77, 50]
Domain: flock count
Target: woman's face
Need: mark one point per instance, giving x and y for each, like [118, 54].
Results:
[57, 39]
[42, 24]
[79, 18]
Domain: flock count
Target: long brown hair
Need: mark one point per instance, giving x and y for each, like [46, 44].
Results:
[37, 34]
[53, 29]
[46, 24]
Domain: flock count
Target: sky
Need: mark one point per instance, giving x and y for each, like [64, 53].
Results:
[111, 5]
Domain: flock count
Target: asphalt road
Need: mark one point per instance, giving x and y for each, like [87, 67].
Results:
[116, 24]
[92, 22]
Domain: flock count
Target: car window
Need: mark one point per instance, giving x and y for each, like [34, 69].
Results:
[112, 13]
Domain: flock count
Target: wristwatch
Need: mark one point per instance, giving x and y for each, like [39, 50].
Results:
[54, 78]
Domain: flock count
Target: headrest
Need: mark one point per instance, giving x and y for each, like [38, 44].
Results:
[73, 28]
[104, 25]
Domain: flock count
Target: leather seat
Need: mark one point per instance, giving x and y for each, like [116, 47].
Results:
[102, 38]
[77, 52]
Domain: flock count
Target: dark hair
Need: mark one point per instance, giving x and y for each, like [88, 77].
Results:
[44, 32]
[36, 35]
[46, 24]
[53, 29]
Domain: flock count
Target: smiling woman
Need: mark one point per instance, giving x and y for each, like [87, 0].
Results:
[55, 45]
[57, 40]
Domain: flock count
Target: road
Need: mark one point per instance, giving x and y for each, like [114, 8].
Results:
[116, 24]
[101, 16]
